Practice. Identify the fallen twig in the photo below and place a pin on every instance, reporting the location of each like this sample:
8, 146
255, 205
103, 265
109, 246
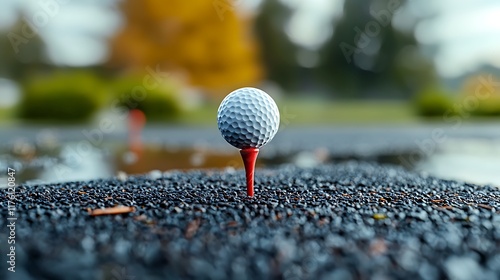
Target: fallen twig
192, 228
111, 211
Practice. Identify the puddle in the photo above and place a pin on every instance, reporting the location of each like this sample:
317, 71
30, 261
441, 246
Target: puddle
475, 161
36, 165
468, 160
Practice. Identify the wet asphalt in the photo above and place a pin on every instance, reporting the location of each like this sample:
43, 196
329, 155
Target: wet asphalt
339, 140
347, 221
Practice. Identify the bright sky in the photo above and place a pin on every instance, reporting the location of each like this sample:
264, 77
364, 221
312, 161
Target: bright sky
310, 26
72, 29
465, 33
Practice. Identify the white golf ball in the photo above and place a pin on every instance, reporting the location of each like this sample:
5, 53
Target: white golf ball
248, 118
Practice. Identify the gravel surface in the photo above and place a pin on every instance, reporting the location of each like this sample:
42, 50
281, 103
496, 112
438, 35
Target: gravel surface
349, 221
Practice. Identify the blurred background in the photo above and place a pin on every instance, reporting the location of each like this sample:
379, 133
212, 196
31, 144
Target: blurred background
392, 70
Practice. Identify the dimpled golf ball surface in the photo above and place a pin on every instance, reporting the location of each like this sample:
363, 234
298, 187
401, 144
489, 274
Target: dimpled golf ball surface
248, 118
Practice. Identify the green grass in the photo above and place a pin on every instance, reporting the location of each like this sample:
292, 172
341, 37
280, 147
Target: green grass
6, 115
310, 112
305, 112
348, 112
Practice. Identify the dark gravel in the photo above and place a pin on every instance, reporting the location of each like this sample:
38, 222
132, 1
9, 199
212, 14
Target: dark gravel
349, 221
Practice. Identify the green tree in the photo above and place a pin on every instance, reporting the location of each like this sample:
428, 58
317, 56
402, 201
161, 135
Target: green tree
368, 57
21, 51
278, 52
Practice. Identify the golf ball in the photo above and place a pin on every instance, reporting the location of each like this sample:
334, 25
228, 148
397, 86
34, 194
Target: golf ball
248, 118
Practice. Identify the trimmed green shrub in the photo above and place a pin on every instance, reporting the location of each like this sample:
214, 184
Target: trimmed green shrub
432, 103
159, 102
61, 97
487, 108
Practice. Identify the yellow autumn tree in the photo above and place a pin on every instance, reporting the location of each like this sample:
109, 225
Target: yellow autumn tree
484, 85
205, 41
481, 93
